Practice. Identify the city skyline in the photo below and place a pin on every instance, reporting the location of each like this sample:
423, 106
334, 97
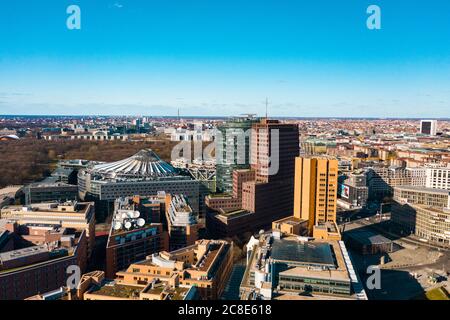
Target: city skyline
311, 59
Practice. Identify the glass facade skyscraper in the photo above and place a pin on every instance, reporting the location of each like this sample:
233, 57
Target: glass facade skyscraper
233, 150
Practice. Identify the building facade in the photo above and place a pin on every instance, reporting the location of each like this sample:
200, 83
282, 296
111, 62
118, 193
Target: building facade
424, 212
142, 174
315, 195
265, 192
232, 150
132, 237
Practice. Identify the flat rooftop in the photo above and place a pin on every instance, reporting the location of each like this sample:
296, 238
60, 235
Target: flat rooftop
367, 237
22, 253
303, 252
317, 274
424, 189
116, 290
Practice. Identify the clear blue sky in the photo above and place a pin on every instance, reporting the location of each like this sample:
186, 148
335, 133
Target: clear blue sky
224, 57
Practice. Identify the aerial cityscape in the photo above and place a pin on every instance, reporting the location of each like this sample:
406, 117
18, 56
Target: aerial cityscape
181, 167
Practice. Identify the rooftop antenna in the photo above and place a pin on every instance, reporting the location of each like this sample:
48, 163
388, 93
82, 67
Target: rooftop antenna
178, 114
267, 104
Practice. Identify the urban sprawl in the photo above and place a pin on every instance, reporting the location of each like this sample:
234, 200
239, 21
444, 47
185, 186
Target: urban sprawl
237, 208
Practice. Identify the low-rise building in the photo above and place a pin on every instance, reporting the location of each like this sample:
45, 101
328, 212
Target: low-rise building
94, 286
70, 215
207, 265
424, 212
280, 265
47, 191
41, 256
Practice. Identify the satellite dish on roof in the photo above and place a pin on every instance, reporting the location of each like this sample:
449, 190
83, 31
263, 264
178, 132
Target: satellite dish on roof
127, 225
117, 225
130, 214
136, 214
140, 222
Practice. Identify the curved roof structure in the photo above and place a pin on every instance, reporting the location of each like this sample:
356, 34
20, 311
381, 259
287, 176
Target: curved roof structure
9, 137
144, 164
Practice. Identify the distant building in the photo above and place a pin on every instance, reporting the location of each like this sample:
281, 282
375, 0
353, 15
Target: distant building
197, 134
289, 267
8, 195
428, 127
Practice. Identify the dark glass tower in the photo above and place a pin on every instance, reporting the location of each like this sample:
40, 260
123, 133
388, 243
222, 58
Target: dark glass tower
233, 150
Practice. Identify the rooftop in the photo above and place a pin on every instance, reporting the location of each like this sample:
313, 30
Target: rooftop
303, 252
367, 237
113, 289
144, 164
423, 189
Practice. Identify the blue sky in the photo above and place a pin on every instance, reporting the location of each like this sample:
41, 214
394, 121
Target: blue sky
224, 57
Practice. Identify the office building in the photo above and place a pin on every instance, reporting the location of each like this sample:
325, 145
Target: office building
263, 193
424, 212
9, 194
39, 258
283, 266
428, 127
69, 215
233, 140
438, 177
315, 194
94, 286
47, 191
382, 180
132, 237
